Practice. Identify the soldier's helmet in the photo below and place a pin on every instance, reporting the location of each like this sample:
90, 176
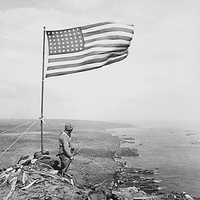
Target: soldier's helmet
68, 127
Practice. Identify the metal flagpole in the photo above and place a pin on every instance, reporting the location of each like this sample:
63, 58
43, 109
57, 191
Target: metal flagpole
42, 92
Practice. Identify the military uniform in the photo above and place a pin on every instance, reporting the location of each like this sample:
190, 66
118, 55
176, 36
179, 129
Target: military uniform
65, 149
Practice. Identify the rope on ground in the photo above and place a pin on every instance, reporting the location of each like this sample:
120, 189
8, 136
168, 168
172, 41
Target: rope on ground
31, 125
19, 125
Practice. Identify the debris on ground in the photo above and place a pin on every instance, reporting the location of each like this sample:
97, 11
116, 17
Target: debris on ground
36, 179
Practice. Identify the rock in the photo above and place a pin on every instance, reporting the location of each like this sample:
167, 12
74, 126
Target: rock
187, 196
128, 193
127, 152
24, 160
97, 195
38, 155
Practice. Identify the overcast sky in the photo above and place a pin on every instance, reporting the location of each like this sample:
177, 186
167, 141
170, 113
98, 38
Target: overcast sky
160, 80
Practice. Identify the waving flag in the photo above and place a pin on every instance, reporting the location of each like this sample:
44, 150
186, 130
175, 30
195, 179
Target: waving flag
88, 47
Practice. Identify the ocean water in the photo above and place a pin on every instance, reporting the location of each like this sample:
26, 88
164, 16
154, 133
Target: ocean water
172, 148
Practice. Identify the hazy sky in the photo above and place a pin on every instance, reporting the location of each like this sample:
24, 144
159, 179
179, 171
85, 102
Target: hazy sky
160, 80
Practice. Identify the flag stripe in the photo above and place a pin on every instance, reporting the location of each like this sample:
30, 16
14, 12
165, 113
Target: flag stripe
107, 42
111, 25
91, 65
96, 56
106, 49
120, 33
95, 25
109, 61
116, 60
108, 46
88, 61
107, 30
85, 58
70, 58
111, 37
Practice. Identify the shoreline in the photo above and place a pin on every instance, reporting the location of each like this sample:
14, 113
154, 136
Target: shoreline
131, 136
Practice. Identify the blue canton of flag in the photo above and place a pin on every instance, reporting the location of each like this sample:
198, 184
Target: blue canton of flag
65, 41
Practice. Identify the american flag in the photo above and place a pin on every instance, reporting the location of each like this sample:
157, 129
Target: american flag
87, 47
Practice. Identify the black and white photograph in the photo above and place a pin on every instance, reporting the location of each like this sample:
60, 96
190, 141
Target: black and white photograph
99, 100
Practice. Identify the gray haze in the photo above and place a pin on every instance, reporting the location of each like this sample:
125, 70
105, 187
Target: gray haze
159, 81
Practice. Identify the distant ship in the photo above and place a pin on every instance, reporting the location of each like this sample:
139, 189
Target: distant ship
196, 142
